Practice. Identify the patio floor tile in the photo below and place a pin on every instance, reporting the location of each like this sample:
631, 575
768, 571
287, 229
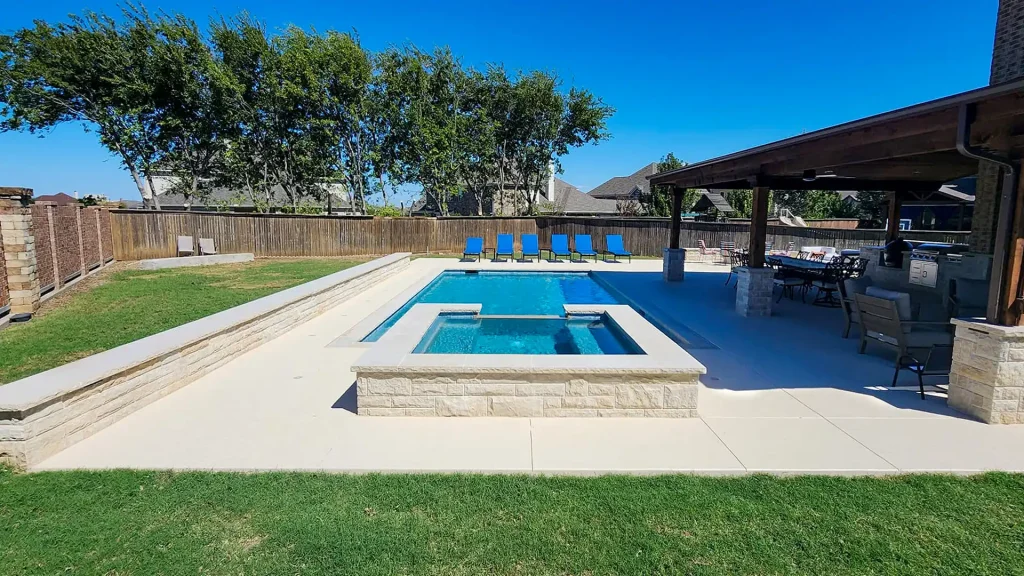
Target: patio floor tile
713, 403
940, 444
628, 445
795, 445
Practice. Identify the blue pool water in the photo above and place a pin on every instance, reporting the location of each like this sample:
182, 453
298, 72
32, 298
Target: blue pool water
462, 334
506, 293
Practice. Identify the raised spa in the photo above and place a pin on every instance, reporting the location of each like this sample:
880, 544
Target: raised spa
471, 334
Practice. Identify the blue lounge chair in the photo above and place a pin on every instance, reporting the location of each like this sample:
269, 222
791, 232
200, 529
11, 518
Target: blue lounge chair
504, 246
559, 246
474, 247
615, 248
530, 246
583, 247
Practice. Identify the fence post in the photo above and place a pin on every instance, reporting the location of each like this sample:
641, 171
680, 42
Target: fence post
99, 236
19, 250
81, 244
58, 280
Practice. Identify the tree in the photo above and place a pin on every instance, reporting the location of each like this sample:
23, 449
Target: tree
191, 96
93, 71
544, 125
280, 138
659, 201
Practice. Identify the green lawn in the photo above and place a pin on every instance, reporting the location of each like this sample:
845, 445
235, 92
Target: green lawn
132, 304
276, 523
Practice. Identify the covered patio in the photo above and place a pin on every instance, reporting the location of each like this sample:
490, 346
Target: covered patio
909, 153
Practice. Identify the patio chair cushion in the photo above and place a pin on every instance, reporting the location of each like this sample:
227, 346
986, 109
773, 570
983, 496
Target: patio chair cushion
474, 245
560, 244
504, 244
530, 245
902, 300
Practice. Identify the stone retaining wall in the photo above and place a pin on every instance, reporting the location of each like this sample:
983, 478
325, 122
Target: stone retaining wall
516, 394
45, 413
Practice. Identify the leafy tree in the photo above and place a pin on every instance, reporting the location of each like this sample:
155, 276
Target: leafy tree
659, 201
191, 97
93, 71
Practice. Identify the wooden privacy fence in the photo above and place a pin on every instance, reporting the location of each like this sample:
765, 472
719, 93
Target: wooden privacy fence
70, 241
151, 234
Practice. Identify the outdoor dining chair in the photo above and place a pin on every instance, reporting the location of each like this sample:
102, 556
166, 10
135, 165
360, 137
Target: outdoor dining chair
726, 252
505, 246
787, 280
530, 246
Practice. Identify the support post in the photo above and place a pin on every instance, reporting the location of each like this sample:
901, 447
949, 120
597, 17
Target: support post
1010, 303
677, 209
673, 258
892, 228
758, 225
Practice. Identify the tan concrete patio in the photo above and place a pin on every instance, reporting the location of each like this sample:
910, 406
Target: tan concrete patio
784, 394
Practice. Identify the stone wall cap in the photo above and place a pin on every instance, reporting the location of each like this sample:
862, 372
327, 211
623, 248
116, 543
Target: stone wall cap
994, 329
393, 352
41, 388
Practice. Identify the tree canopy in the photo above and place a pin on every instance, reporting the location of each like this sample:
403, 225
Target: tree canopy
297, 111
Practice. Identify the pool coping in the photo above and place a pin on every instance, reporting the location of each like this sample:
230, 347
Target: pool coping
394, 350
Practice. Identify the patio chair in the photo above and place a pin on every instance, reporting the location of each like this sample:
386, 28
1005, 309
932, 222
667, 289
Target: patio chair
738, 259
967, 298
530, 246
615, 248
921, 347
768, 246
787, 280
703, 247
206, 247
726, 252
848, 288
827, 284
186, 246
559, 246
474, 247
505, 246
582, 246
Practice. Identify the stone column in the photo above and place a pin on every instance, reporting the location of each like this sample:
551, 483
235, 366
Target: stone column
672, 262
754, 288
987, 377
19, 249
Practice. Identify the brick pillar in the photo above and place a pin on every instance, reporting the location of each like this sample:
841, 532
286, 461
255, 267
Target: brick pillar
1007, 65
19, 249
987, 377
754, 288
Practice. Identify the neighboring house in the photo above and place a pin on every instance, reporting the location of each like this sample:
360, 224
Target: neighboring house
225, 199
60, 199
624, 188
558, 197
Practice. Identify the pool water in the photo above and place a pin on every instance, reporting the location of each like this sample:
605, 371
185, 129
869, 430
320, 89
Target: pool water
464, 334
506, 294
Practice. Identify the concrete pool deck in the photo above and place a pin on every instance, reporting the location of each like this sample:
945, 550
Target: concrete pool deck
784, 394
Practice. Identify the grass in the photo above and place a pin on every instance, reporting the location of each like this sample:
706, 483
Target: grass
123, 522
119, 307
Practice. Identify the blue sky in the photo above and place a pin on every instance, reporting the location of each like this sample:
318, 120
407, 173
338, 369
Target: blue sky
699, 78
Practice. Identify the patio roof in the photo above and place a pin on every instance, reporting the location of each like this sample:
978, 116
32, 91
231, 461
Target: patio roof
910, 149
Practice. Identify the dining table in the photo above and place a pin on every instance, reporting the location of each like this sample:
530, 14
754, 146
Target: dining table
800, 263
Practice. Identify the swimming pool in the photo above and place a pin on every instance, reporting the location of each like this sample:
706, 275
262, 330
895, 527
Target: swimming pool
470, 334
505, 293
